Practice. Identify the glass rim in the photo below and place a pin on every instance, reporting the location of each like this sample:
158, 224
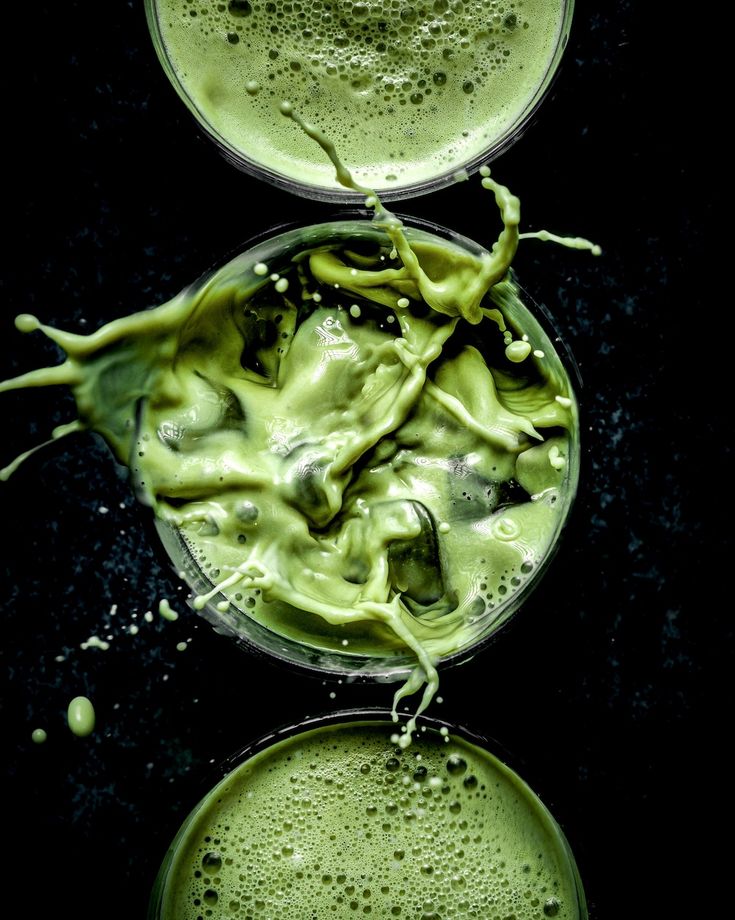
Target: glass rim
256, 638
351, 715
337, 194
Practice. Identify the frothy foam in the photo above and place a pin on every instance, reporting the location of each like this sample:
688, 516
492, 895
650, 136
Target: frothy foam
411, 91
338, 822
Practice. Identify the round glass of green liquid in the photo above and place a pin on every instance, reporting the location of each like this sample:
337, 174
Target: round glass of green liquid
414, 93
349, 479
331, 819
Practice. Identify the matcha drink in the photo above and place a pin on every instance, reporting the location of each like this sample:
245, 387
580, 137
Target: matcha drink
411, 92
339, 822
360, 438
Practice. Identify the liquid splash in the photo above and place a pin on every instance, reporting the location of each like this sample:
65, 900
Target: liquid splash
171, 393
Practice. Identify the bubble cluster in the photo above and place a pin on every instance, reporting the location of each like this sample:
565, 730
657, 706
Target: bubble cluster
397, 83
348, 40
338, 822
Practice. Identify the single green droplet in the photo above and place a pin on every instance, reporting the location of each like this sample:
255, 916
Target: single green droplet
81, 716
25, 322
38, 736
165, 610
518, 351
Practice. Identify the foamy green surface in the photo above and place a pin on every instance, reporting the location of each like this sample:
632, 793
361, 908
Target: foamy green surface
338, 822
409, 91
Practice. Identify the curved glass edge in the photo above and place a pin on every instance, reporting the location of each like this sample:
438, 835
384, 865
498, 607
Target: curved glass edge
256, 638
490, 748
335, 193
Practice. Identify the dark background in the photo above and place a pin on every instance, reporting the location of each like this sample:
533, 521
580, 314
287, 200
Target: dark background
608, 689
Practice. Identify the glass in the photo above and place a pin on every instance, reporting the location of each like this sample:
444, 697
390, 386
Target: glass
386, 835
387, 128
302, 639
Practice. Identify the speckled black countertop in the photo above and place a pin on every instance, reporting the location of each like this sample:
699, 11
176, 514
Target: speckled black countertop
603, 687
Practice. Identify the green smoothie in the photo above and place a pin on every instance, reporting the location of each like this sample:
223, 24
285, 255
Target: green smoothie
411, 92
354, 436
338, 822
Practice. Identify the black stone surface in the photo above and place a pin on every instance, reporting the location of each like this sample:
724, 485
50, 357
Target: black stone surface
609, 689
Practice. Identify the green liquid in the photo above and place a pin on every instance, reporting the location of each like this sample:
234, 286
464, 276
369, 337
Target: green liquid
360, 436
395, 479
411, 92
81, 716
338, 822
